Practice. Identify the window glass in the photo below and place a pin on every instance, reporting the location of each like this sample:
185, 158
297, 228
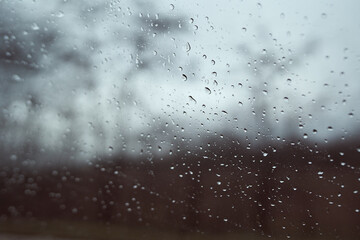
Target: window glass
179, 119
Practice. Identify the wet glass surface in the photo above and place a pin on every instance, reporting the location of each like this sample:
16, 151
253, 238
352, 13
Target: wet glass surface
179, 119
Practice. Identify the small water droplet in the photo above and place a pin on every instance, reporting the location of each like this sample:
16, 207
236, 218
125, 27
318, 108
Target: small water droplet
184, 77
188, 47
16, 78
34, 27
208, 90
172, 6
192, 99
264, 153
59, 14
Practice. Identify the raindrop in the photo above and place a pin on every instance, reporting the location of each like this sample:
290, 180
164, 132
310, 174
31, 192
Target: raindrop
188, 47
59, 14
208, 90
34, 27
16, 78
172, 6
184, 77
192, 99
264, 153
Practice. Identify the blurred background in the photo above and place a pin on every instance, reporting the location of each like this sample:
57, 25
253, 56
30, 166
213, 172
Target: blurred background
179, 119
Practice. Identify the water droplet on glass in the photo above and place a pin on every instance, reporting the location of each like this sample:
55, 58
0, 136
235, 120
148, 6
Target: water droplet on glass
184, 77
188, 47
264, 153
59, 14
192, 99
16, 78
208, 90
172, 6
34, 27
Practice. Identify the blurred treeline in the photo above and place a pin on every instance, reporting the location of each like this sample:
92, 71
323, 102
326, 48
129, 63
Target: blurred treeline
292, 190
